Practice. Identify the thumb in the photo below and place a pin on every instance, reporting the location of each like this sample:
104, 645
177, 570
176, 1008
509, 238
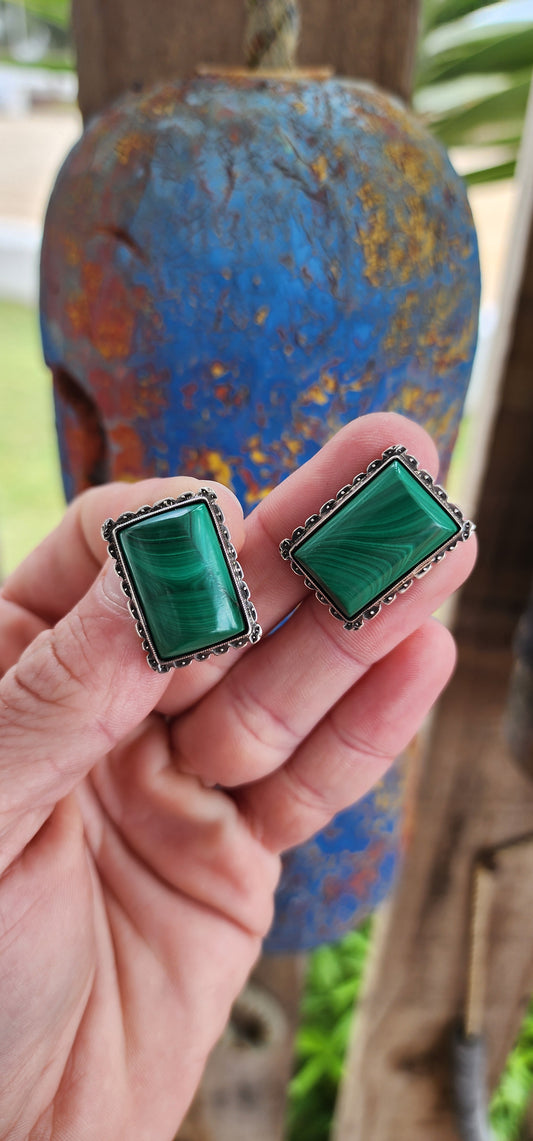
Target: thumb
76, 691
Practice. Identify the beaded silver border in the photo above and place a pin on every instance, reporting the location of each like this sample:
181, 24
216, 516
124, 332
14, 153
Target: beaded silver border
111, 528
289, 547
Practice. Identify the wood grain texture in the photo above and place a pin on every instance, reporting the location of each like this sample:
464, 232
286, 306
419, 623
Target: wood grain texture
472, 796
518, 723
128, 45
527, 1131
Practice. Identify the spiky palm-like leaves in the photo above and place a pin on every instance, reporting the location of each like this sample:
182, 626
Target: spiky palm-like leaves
473, 78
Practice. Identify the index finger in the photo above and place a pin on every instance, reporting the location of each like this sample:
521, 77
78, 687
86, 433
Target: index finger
59, 572
53, 579
274, 590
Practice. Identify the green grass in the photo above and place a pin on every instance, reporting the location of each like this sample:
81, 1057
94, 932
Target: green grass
31, 496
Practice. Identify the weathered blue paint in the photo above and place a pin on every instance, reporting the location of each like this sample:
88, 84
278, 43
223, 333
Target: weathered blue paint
354, 859
232, 269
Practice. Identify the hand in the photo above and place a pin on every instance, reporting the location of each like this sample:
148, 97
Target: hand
134, 895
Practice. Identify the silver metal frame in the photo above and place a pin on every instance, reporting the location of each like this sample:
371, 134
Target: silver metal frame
111, 528
289, 547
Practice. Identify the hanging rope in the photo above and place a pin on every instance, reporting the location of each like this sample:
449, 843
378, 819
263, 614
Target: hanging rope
271, 35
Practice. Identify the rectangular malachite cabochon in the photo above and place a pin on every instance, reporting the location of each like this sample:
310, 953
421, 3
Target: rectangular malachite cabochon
182, 579
374, 540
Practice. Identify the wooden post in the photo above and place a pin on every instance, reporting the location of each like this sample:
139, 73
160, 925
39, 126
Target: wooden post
473, 796
518, 723
128, 45
527, 1131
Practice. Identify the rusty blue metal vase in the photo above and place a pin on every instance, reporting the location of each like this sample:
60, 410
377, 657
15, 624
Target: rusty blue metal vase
233, 269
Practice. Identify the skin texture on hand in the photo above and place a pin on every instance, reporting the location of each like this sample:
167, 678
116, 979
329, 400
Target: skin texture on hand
134, 894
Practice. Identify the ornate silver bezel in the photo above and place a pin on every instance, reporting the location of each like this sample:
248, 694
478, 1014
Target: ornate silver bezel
289, 547
112, 528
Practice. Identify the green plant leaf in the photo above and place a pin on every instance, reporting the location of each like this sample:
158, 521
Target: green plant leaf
487, 122
507, 48
311, 1041
491, 173
333, 980
473, 80
438, 12
452, 95
511, 1100
307, 1077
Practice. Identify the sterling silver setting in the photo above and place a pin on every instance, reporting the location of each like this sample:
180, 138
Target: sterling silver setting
112, 527
289, 547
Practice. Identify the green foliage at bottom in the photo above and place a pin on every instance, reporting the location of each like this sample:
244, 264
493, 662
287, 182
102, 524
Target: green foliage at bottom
514, 1092
333, 984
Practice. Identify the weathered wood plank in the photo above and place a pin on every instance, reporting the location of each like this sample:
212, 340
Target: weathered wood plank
472, 796
127, 45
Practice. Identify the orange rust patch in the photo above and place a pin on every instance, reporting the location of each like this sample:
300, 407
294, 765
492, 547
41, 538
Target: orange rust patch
261, 315
295, 447
71, 249
127, 452
113, 332
412, 164
375, 236
399, 338
448, 345
313, 395
218, 468
130, 146
320, 168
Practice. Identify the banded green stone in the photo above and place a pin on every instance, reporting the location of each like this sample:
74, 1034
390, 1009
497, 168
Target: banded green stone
375, 539
182, 580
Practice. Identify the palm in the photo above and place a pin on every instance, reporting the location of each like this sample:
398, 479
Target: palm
135, 894
134, 945
135, 938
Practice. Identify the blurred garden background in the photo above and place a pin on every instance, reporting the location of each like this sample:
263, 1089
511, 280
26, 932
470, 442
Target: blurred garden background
473, 79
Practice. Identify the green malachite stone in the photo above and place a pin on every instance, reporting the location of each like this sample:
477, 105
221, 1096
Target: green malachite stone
375, 539
182, 580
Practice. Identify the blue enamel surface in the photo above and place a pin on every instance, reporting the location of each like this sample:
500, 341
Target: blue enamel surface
355, 858
232, 269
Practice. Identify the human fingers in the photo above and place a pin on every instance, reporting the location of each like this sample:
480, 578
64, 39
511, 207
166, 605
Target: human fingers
354, 745
265, 707
53, 578
288, 505
191, 836
76, 691
274, 590
56, 575
18, 627
61, 569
